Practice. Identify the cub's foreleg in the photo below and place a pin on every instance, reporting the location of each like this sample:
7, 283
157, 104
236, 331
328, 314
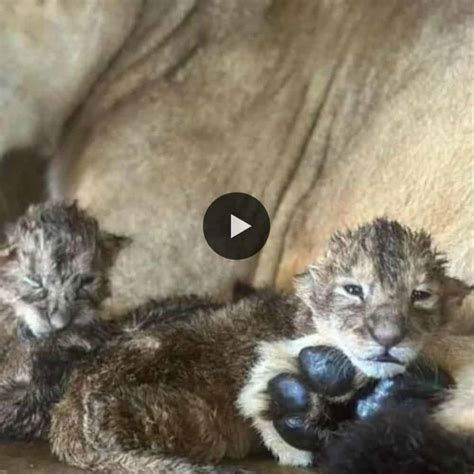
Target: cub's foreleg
291, 366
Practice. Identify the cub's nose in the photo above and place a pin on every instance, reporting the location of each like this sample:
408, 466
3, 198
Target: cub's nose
387, 335
59, 321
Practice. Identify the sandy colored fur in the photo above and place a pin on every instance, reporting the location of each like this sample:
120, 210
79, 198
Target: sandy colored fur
456, 355
336, 113
52, 52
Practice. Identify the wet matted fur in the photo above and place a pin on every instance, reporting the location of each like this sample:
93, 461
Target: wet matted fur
53, 281
197, 390
54, 267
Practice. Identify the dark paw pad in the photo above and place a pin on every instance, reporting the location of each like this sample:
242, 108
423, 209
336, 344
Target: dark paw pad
296, 433
288, 394
328, 371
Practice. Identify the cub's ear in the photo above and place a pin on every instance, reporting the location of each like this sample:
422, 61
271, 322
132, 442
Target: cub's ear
7, 254
305, 284
111, 245
456, 290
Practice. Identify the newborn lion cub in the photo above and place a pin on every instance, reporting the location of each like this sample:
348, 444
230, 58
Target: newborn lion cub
198, 390
54, 279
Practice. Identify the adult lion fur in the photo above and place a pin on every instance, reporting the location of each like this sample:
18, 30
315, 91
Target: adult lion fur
329, 112
51, 52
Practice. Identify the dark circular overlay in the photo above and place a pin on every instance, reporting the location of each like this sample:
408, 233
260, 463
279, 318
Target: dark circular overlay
217, 226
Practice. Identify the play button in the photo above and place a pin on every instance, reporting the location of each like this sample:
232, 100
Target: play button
236, 226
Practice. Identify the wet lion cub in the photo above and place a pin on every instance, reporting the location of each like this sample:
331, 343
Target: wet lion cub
196, 392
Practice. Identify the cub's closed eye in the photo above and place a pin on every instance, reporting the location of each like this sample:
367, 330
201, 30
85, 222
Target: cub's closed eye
354, 290
420, 295
87, 280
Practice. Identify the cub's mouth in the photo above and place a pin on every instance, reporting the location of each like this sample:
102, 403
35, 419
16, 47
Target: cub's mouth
387, 358
381, 362
380, 367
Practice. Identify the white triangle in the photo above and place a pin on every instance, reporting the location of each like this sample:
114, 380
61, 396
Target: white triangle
237, 226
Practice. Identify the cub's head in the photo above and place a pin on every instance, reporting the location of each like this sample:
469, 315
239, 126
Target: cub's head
54, 268
379, 293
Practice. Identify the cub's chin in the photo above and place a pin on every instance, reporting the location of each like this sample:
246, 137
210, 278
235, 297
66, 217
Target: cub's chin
378, 370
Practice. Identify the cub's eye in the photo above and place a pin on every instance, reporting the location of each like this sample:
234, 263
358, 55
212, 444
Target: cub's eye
420, 295
87, 280
33, 281
354, 290
84, 289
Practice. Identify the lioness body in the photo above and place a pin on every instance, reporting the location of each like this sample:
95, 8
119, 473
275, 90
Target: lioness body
361, 108
329, 112
41, 82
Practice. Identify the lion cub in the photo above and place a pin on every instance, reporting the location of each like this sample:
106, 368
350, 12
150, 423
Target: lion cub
198, 390
53, 281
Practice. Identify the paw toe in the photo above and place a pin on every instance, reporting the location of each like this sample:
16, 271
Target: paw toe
327, 370
288, 394
296, 433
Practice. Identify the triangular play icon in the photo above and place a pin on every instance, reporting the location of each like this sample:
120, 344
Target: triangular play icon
237, 226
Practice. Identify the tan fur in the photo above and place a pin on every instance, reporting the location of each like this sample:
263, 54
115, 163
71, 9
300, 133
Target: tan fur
330, 113
456, 355
51, 52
